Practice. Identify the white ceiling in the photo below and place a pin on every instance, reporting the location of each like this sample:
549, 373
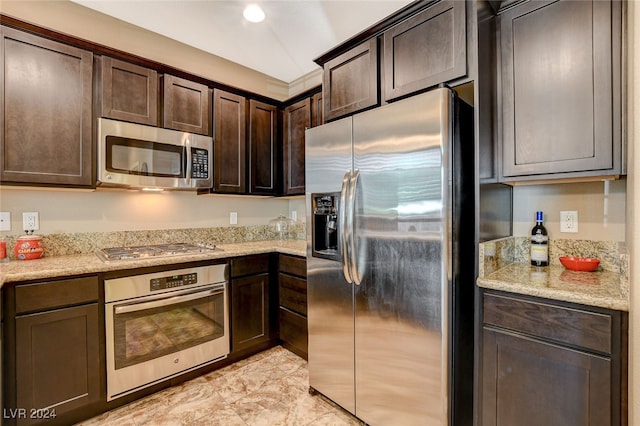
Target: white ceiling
282, 46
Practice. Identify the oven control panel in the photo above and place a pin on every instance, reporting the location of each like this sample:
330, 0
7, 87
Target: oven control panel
172, 281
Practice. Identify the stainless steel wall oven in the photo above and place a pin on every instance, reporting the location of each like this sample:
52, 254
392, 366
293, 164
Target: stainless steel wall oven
162, 324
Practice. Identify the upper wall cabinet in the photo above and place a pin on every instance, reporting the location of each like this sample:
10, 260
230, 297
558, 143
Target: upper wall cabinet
187, 105
425, 50
298, 117
263, 148
229, 142
45, 111
422, 45
245, 149
129, 92
350, 81
561, 89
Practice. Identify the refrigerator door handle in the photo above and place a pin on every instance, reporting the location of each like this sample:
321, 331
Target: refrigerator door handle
353, 249
344, 230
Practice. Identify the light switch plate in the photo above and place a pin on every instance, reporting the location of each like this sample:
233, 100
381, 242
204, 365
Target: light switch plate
5, 221
233, 218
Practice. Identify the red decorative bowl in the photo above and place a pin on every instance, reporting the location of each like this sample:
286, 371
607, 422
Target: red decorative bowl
582, 264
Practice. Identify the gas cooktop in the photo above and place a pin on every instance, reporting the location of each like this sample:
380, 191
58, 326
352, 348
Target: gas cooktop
152, 251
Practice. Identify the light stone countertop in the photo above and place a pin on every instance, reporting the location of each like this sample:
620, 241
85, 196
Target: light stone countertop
601, 288
61, 266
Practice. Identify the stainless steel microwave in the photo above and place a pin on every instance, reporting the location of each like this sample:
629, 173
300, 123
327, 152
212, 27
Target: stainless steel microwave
136, 156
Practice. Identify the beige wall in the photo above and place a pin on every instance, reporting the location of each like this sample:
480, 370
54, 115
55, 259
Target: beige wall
70, 18
600, 207
67, 211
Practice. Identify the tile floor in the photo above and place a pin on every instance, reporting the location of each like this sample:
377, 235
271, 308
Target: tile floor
270, 388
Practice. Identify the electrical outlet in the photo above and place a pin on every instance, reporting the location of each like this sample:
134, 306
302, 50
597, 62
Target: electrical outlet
5, 221
569, 221
294, 215
30, 221
233, 218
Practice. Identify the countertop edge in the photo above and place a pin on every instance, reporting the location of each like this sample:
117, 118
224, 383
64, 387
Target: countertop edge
615, 303
83, 264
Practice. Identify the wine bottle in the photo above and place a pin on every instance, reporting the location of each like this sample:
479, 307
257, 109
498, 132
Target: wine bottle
539, 243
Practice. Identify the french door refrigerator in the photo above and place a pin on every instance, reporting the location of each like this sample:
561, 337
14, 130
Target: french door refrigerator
391, 240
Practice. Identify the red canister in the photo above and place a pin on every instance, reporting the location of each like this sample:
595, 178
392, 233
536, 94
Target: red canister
29, 247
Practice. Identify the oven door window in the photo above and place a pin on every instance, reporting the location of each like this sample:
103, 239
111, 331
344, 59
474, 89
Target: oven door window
139, 157
153, 331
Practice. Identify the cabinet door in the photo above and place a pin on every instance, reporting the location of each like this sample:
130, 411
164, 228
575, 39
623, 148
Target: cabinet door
426, 50
530, 383
263, 136
350, 81
249, 311
560, 93
45, 111
297, 118
317, 118
58, 360
186, 105
129, 92
229, 142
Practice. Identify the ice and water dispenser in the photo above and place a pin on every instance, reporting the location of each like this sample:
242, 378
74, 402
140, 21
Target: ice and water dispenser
325, 225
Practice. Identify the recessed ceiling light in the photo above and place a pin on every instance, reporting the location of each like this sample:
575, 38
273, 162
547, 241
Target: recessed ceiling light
253, 13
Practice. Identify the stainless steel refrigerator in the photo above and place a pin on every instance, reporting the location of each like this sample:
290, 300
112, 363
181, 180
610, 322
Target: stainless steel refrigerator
391, 237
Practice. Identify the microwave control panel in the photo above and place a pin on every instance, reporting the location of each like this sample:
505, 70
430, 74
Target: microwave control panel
172, 281
199, 163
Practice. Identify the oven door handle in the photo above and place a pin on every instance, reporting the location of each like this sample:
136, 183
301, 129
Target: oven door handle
135, 307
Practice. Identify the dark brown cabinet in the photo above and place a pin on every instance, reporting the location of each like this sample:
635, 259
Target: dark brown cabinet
350, 81
229, 142
245, 144
547, 362
45, 112
292, 282
55, 361
561, 89
250, 302
263, 148
297, 118
128, 92
425, 50
186, 105
317, 108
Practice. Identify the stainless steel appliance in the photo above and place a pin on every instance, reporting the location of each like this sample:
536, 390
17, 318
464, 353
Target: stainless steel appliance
162, 324
110, 254
137, 156
391, 251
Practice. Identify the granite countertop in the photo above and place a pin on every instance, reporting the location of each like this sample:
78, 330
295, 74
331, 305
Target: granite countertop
601, 288
60, 266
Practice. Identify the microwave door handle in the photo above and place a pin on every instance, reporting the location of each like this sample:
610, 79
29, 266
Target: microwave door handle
189, 161
135, 307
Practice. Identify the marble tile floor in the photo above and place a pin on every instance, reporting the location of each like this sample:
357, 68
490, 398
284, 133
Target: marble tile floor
270, 388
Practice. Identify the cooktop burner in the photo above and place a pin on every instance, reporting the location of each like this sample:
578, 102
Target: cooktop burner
154, 250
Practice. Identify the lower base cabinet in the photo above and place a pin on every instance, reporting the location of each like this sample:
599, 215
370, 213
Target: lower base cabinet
251, 282
53, 353
292, 283
551, 363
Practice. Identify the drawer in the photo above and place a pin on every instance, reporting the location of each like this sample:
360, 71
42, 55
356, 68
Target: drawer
293, 332
293, 265
569, 326
250, 265
293, 293
56, 294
